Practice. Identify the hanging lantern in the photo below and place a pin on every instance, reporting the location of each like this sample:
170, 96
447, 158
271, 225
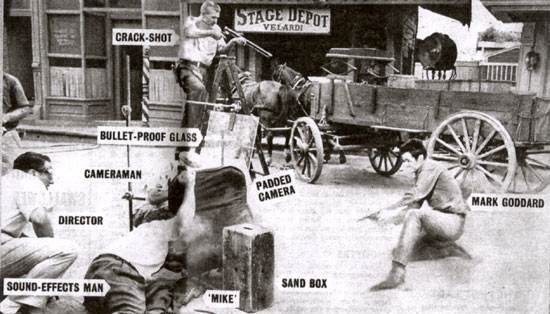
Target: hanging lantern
532, 59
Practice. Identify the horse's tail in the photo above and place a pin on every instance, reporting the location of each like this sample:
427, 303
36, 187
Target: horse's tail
287, 101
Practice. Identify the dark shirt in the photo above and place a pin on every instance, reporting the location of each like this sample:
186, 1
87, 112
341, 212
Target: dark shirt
13, 97
439, 188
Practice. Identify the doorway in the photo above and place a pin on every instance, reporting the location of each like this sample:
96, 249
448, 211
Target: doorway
127, 74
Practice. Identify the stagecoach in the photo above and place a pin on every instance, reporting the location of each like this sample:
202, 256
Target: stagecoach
491, 141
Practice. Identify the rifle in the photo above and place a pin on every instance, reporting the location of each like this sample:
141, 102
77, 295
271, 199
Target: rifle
229, 32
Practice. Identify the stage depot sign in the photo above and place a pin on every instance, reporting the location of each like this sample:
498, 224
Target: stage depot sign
282, 20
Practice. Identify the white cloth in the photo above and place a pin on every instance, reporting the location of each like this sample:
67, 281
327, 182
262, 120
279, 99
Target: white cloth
145, 247
22, 193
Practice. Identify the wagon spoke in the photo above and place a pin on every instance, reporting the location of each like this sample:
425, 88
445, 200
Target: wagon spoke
486, 141
477, 127
444, 157
537, 163
393, 153
459, 172
302, 134
299, 141
376, 153
310, 142
301, 159
457, 140
541, 179
308, 168
452, 149
313, 159
453, 166
386, 161
380, 163
392, 163
525, 179
492, 151
492, 163
465, 134
305, 165
489, 175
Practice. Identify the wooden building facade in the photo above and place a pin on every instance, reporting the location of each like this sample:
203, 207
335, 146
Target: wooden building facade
68, 65
535, 41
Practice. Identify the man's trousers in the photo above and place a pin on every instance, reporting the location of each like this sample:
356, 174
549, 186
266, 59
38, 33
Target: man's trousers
129, 293
419, 223
36, 258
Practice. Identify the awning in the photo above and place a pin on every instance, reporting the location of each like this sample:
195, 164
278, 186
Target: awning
519, 10
460, 10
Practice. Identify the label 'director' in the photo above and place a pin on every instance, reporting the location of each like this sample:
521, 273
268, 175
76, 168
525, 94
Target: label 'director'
140, 136
56, 287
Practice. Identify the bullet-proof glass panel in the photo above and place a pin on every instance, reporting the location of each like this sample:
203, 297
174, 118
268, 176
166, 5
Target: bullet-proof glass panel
95, 35
64, 34
63, 5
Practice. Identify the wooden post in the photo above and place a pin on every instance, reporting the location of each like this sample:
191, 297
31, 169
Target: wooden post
248, 265
145, 88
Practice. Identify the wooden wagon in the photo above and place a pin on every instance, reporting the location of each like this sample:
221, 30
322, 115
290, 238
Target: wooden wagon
500, 141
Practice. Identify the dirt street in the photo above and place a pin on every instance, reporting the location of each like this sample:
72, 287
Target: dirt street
317, 236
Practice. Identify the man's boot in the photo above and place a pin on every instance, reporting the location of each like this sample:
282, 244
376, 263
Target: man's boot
395, 278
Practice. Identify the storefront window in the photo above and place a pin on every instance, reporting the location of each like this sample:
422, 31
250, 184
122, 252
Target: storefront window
125, 4
94, 3
164, 22
63, 5
19, 4
95, 35
64, 34
162, 5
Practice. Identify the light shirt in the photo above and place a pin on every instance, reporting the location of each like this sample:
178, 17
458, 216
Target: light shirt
202, 49
13, 97
145, 247
22, 194
439, 188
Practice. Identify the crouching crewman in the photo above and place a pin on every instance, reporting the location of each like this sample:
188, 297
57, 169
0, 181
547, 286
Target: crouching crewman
25, 201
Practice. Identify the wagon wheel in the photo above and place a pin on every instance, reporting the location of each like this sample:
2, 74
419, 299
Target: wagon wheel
533, 170
306, 149
478, 149
385, 160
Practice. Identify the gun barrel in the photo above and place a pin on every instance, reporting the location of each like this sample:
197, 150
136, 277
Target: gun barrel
249, 43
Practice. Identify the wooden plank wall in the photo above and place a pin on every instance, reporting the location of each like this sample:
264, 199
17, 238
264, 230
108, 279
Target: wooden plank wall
163, 87
66, 82
97, 83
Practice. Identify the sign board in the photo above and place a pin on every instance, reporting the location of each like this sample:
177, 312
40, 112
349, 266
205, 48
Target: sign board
144, 37
282, 20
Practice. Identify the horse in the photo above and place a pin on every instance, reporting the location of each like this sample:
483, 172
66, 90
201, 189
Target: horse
273, 102
302, 87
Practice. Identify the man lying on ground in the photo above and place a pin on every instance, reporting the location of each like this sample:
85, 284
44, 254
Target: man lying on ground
129, 265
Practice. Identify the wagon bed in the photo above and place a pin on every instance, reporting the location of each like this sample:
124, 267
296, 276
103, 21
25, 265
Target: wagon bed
492, 141
525, 117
